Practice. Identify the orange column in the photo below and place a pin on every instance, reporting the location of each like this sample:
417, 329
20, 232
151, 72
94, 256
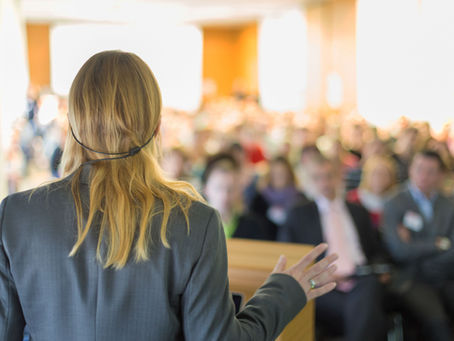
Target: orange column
38, 54
247, 64
219, 60
230, 58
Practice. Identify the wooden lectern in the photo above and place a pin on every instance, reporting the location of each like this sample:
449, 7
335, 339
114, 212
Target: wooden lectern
251, 262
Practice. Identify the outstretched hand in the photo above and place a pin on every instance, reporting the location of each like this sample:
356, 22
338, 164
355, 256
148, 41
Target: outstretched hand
315, 280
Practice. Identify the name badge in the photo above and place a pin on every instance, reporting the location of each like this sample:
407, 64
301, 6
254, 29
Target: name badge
413, 221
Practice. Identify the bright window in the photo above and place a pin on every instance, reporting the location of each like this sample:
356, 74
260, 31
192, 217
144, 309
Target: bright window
282, 59
405, 55
174, 54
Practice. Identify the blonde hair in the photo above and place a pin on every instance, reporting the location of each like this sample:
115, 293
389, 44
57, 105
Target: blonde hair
115, 105
371, 164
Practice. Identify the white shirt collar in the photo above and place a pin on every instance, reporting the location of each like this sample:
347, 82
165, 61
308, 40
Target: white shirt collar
324, 203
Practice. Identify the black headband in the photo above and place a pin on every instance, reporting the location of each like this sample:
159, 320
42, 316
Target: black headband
133, 151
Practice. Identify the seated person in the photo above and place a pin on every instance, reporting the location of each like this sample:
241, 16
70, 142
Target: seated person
377, 183
308, 154
353, 175
418, 226
354, 309
404, 149
222, 190
248, 175
277, 192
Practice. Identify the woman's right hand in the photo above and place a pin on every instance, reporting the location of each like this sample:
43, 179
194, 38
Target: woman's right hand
321, 273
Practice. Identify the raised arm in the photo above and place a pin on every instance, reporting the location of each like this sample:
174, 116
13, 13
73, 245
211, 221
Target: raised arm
207, 308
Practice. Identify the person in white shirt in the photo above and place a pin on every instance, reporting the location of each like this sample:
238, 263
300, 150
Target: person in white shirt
354, 309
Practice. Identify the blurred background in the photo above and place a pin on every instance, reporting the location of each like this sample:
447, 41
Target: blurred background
256, 95
271, 76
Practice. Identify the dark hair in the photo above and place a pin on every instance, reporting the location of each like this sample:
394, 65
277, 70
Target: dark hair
432, 154
284, 161
311, 148
224, 161
235, 147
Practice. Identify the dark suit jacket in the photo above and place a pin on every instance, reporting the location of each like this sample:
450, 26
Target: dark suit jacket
420, 255
260, 206
180, 293
251, 226
303, 225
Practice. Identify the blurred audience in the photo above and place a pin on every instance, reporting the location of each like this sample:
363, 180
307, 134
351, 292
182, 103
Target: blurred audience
419, 230
222, 190
355, 308
377, 183
248, 174
404, 149
353, 173
277, 192
176, 165
331, 158
308, 154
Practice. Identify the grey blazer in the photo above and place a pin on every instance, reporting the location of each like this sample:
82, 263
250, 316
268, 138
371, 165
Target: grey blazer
181, 293
420, 256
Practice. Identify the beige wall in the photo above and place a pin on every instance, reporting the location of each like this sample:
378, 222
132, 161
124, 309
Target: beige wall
331, 48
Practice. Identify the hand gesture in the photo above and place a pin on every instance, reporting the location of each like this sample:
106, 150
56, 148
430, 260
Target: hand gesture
315, 280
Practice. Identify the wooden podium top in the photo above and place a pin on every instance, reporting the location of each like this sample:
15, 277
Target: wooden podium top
251, 262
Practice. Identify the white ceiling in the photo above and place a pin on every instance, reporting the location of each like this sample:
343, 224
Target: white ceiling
127, 11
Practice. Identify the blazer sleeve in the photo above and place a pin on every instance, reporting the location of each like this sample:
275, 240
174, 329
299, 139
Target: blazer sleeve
370, 238
399, 250
207, 307
441, 266
11, 318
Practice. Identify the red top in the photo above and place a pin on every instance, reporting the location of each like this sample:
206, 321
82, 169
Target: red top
255, 153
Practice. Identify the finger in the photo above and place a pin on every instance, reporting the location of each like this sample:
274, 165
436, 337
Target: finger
280, 265
322, 279
314, 293
320, 266
326, 276
311, 256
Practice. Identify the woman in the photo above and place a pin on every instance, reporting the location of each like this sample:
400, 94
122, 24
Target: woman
116, 252
378, 179
278, 192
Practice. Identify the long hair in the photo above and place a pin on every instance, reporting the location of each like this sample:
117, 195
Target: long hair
115, 105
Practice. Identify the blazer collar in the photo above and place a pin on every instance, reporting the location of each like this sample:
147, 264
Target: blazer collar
411, 200
414, 206
85, 173
84, 177
324, 204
